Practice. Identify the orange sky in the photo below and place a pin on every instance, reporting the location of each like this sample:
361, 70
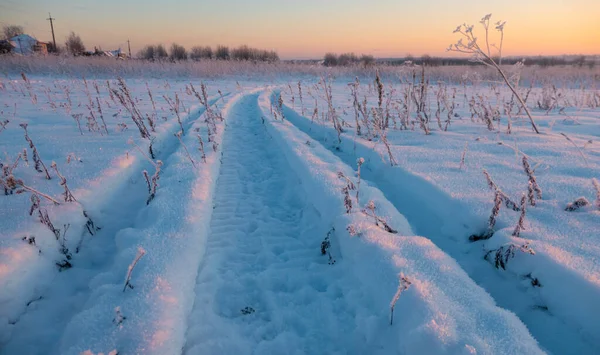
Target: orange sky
309, 28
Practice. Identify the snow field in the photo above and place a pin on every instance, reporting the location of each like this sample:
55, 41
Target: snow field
232, 247
441, 317
50, 311
429, 189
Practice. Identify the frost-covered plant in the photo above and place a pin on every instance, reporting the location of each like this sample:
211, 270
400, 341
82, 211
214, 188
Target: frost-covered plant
178, 135
346, 191
420, 98
301, 99
492, 185
403, 285
379, 86
153, 182
331, 112
174, 105
99, 107
326, 245
63, 182
491, 221
506, 252
39, 164
125, 99
72, 157
3, 125
356, 104
534, 190
201, 147
140, 252
11, 183
369, 210
577, 204
463, 156
359, 163
64, 264
77, 118
597, 188
484, 55
90, 225
154, 115
578, 149
119, 318
35, 203
521, 223
280, 105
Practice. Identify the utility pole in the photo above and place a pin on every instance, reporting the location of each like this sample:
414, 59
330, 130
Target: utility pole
52, 28
129, 46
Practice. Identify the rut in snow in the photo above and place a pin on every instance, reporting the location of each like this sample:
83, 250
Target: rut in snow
263, 286
430, 212
40, 329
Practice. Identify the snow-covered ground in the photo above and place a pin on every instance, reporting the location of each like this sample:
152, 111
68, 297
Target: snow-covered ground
269, 244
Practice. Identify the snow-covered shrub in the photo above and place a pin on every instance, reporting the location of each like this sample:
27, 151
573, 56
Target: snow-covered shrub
491, 221
502, 255
577, 204
369, 210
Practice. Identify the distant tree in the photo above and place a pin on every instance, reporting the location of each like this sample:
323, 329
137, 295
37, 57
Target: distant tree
53, 50
426, 59
330, 60
241, 53
367, 60
5, 47
10, 31
198, 52
146, 53
160, 53
74, 44
222, 53
178, 52
347, 59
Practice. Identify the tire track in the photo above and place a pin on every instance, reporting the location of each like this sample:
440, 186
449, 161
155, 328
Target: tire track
444, 229
263, 286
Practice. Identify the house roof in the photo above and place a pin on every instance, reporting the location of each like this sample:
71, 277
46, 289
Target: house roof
23, 44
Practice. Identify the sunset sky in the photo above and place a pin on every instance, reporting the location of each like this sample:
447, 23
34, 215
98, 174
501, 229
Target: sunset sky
309, 28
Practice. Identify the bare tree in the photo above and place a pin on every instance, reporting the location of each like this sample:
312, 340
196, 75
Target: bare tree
11, 31
178, 52
74, 44
222, 53
330, 60
160, 53
147, 53
198, 52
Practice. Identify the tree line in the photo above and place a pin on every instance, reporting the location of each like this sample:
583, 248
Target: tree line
180, 53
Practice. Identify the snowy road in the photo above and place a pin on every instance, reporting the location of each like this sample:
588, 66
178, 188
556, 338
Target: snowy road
263, 286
